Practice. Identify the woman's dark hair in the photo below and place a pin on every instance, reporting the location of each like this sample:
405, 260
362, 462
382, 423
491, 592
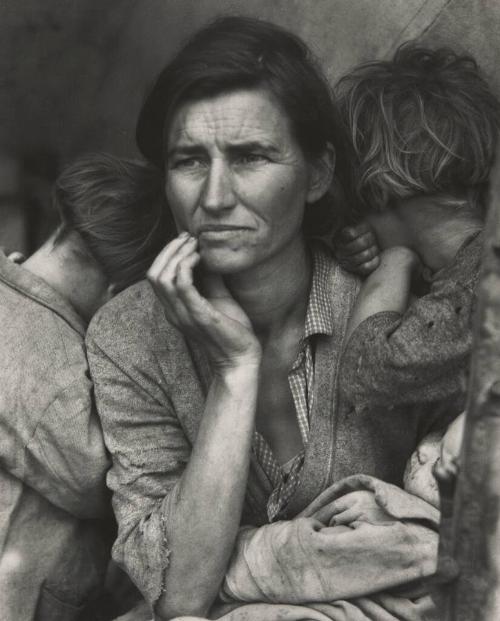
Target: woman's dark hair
118, 209
425, 122
238, 52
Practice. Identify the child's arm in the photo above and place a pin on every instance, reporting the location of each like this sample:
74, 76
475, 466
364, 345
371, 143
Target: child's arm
387, 288
422, 355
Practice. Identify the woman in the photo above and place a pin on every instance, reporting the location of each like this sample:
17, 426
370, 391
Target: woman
217, 390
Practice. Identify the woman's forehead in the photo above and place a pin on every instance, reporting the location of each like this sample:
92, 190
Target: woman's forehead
235, 117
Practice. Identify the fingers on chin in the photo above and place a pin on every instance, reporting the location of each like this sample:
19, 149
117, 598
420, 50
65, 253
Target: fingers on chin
167, 253
169, 257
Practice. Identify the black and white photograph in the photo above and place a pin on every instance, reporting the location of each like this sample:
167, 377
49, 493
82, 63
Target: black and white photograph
249, 310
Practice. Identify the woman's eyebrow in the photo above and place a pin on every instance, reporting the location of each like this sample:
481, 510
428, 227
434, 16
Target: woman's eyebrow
252, 145
233, 147
184, 149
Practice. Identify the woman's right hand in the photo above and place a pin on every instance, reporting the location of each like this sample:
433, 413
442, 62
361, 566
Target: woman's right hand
216, 320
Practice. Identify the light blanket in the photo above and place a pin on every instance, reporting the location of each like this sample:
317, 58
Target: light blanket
308, 569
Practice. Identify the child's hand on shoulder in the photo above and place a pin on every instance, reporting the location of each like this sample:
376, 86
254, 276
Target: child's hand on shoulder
356, 249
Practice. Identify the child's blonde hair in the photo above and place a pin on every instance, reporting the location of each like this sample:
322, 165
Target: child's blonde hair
423, 123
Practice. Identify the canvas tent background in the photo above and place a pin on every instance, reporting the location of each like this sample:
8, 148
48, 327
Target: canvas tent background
73, 74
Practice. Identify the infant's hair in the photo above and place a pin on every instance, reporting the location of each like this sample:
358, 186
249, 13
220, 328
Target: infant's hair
423, 123
117, 208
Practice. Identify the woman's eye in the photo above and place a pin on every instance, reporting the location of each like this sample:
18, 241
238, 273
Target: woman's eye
188, 163
251, 158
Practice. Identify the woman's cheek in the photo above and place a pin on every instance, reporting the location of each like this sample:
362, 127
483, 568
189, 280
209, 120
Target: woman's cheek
181, 198
270, 185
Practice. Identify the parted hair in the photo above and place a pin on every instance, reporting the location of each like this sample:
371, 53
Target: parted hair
240, 52
117, 207
425, 122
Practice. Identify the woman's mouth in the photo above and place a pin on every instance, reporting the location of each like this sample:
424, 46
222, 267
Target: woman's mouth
220, 232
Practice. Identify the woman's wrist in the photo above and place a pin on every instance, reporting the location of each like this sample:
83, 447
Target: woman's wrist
234, 389
244, 368
247, 359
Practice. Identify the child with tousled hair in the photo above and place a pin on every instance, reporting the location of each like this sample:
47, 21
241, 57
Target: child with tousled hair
117, 208
56, 519
424, 129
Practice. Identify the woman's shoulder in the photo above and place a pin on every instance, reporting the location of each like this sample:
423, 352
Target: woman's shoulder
337, 284
132, 318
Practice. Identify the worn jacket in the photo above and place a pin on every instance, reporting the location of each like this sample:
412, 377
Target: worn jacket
53, 546
151, 385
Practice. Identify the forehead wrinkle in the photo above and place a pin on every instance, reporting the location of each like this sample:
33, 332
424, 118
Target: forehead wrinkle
204, 122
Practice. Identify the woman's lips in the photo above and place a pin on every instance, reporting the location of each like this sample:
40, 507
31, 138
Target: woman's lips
215, 233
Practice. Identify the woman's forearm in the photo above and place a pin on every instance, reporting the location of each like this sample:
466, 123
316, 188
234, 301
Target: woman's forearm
389, 540
205, 512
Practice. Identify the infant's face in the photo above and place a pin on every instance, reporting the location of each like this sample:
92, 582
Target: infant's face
452, 441
418, 477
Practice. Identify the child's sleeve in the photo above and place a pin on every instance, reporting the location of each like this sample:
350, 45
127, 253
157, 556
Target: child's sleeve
422, 355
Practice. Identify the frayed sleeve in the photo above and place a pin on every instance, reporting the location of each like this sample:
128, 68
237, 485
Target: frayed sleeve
149, 452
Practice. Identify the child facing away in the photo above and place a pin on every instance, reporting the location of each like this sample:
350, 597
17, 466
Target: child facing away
56, 521
424, 128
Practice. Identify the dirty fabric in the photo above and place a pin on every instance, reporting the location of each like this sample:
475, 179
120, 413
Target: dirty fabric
420, 356
55, 513
305, 568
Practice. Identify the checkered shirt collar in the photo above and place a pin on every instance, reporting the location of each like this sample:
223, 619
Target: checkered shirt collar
319, 315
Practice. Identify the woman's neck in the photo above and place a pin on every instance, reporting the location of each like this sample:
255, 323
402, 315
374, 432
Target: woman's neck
274, 295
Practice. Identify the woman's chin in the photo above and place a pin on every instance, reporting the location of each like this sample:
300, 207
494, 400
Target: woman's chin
225, 261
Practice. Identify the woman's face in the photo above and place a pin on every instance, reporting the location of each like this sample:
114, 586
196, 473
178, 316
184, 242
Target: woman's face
237, 180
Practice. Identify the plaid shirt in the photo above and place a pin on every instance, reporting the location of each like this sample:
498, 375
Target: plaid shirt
319, 320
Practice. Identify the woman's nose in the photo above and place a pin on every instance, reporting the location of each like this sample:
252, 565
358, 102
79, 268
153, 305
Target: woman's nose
218, 188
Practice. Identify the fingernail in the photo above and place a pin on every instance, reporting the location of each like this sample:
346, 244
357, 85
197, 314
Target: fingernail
184, 235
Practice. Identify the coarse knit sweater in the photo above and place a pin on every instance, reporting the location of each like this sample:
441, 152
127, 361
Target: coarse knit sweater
421, 355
